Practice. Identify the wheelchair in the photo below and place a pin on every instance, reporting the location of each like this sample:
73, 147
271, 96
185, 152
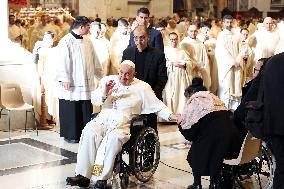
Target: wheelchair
140, 155
255, 164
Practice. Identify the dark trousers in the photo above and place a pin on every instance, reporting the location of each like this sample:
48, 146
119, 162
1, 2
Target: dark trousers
73, 116
277, 145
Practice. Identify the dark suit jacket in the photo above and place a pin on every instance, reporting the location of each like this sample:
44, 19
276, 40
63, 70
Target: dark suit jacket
273, 96
156, 39
155, 71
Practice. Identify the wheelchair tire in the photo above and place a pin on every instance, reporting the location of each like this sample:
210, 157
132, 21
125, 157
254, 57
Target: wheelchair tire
146, 154
260, 171
124, 180
267, 165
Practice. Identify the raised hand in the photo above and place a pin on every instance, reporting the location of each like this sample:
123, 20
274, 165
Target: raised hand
109, 87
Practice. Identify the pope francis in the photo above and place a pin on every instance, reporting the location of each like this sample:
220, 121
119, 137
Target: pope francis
122, 97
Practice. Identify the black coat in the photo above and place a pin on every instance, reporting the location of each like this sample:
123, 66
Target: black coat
249, 93
155, 39
274, 96
214, 137
155, 71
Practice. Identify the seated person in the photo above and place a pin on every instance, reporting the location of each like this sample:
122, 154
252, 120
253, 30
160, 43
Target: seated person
206, 122
122, 97
249, 93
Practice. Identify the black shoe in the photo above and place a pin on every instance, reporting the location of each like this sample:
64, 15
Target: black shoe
198, 186
78, 180
101, 184
50, 122
71, 140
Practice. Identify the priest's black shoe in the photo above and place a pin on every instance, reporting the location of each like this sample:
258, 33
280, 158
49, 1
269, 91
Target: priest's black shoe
101, 184
78, 180
195, 186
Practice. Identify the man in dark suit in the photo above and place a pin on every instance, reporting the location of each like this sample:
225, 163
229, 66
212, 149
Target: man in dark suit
273, 113
155, 37
150, 65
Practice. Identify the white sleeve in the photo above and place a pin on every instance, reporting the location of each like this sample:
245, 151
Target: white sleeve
98, 94
151, 104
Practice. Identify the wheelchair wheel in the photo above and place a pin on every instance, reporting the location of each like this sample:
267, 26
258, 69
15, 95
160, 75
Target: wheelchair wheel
266, 167
124, 180
146, 154
260, 171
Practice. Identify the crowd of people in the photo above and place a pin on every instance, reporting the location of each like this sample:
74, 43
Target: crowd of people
130, 66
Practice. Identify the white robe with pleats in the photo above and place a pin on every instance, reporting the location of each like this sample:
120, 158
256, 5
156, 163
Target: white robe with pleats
110, 129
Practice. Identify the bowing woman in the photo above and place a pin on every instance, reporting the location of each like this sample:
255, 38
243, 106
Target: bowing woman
206, 122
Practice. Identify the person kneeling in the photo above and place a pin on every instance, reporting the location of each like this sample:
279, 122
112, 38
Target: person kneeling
206, 122
122, 97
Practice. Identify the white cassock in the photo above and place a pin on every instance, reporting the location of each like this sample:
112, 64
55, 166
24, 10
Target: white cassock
197, 52
79, 65
46, 69
103, 137
226, 53
102, 47
178, 78
266, 43
280, 46
48, 80
118, 43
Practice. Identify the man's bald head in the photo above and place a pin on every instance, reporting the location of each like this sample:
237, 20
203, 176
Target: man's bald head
268, 23
141, 37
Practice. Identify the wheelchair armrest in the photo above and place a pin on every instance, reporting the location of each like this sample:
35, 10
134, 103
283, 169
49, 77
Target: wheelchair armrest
139, 120
137, 124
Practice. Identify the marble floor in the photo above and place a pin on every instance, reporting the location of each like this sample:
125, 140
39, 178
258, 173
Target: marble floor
46, 160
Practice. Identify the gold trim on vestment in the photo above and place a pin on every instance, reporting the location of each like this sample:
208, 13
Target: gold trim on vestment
97, 170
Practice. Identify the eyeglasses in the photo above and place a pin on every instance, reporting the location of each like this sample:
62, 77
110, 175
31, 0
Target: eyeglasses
136, 38
255, 70
175, 39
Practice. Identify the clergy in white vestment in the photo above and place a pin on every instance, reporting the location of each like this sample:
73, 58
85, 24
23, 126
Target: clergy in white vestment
266, 40
14, 31
197, 52
178, 63
245, 57
118, 43
226, 53
77, 67
206, 37
101, 46
122, 97
280, 29
39, 30
45, 62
